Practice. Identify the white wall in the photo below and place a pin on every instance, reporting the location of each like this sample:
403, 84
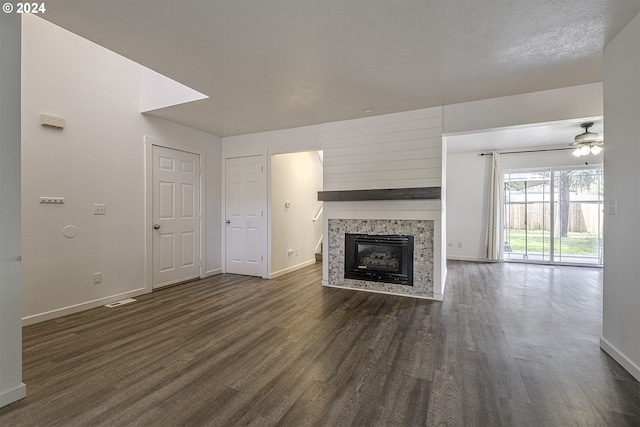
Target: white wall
11, 387
468, 181
306, 138
621, 302
295, 178
399, 150
467, 206
98, 158
521, 110
442, 252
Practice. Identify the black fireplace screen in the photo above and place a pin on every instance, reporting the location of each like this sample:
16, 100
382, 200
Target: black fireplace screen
379, 258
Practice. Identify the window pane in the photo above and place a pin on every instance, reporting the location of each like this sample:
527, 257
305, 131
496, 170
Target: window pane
578, 231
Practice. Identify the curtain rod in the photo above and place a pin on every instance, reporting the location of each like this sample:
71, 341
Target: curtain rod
528, 151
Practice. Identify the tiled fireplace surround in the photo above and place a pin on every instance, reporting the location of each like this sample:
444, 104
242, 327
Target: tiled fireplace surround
418, 218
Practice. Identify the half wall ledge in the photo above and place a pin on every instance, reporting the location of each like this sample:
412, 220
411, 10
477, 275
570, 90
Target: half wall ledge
417, 193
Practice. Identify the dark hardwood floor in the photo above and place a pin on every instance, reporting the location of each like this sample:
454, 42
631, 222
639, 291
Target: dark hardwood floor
511, 345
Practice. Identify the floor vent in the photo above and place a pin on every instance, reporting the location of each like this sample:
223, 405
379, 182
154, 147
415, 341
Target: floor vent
118, 303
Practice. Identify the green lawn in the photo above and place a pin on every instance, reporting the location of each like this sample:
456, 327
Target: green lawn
574, 244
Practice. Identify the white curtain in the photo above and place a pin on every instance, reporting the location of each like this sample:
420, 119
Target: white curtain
494, 229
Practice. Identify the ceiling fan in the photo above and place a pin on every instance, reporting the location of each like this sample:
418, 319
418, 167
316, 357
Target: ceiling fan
587, 142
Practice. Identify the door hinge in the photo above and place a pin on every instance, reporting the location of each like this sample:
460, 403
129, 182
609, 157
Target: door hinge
261, 257
261, 168
261, 213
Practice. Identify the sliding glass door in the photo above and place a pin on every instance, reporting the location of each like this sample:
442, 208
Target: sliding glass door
578, 216
527, 226
553, 216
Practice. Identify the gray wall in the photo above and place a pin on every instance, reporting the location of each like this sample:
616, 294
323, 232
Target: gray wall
621, 305
11, 387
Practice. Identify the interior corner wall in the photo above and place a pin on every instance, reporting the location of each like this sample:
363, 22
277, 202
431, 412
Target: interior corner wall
296, 179
305, 138
467, 189
443, 218
621, 289
99, 157
468, 180
11, 386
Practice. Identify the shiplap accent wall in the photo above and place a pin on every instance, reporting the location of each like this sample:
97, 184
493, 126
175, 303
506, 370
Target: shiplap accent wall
400, 150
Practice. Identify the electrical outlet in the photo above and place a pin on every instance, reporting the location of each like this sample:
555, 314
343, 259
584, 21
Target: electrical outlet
297, 252
99, 209
459, 245
97, 278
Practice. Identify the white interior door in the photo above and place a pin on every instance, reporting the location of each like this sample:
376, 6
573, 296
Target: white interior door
176, 216
245, 225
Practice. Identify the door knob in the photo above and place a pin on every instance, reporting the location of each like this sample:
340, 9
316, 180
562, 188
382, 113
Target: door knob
156, 226
227, 222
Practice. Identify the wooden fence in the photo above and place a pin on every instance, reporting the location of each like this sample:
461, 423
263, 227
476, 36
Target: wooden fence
583, 216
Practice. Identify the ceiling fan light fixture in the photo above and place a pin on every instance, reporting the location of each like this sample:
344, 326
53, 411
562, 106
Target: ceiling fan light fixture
587, 142
586, 136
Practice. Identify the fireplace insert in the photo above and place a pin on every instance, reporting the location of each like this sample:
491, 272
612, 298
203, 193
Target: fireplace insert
379, 258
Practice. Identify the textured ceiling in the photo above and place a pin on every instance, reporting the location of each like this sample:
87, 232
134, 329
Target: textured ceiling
279, 64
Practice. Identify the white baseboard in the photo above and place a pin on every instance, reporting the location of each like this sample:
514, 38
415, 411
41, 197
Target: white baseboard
213, 272
275, 274
468, 258
53, 314
379, 292
13, 395
619, 357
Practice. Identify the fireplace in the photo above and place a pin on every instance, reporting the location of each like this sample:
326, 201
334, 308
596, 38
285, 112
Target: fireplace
379, 258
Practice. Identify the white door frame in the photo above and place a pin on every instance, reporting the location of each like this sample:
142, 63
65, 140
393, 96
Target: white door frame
265, 239
149, 142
